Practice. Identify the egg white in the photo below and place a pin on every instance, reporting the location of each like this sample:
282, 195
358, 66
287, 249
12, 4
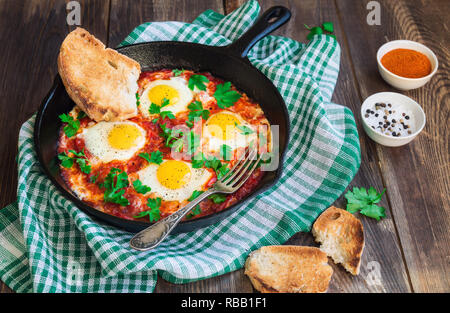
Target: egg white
96, 140
198, 178
212, 144
184, 93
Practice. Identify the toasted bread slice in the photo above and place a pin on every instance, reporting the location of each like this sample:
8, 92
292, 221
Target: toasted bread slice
292, 269
341, 236
102, 82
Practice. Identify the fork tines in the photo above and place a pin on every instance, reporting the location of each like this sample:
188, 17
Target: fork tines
242, 169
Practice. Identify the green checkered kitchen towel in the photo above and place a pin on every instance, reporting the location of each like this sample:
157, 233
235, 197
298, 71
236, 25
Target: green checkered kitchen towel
48, 245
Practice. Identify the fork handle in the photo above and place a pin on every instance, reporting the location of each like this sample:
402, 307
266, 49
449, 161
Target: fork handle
153, 235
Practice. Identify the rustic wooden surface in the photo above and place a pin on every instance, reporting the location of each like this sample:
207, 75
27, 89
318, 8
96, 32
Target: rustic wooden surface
411, 245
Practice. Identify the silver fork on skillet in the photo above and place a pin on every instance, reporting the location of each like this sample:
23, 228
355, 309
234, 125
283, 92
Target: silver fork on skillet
152, 236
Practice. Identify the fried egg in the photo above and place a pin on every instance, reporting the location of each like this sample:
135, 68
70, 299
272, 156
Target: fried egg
174, 89
174, 180
227, 128
109, 141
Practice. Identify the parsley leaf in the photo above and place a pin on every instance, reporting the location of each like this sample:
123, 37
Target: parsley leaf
72, 125
93, 178
365, 202
154, 214
195, 194
197, 210
196, 110
177, 72
217, 166
198, 81
141, 188
171, 134
66, 160
84, 167
156, 157
198, 160
218, 198
168, 114
222, 171
79, 158
245, 130
113, 183
154, 108
165, 102
213, 163
138, 99
225, 96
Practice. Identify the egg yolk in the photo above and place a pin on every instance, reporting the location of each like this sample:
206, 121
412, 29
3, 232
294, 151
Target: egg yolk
160, 92
123, 136
223, 126
173, 174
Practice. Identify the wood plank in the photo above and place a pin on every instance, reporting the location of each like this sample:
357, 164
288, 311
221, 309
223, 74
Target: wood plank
416, 175
382, 244
33, 31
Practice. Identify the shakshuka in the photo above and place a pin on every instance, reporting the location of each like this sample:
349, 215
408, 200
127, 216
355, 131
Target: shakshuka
190, 130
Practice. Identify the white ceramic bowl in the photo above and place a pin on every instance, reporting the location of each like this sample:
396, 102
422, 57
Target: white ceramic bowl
400, 82
417, 116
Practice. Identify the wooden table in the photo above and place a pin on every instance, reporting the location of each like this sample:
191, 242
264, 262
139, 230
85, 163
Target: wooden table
411, 245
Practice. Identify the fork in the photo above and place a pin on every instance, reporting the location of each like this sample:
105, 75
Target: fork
153, 235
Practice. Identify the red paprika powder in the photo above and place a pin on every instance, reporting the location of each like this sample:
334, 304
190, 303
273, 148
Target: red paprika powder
407, 63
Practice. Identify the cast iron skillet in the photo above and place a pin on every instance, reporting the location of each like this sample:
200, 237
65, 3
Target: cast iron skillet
229, 63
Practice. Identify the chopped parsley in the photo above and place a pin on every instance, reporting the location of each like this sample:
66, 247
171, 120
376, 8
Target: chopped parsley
217, 166
72, 125
177, 72
114, 183
138, 99
218, 198
245, 130
154, 214
226, 97
141, 188
198, 81
156, 109
155, 157
93, 178
79, 158
198, 160
196, 110
196, 210
168, 114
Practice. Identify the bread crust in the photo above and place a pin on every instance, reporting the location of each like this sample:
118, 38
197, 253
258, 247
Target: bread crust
101, 81
341, 236
289, 269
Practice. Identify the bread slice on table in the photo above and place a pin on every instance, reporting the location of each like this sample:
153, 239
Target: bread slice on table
341, 236
102, 82
292, 269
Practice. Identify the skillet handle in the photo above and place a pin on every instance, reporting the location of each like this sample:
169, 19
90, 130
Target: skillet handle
272, 19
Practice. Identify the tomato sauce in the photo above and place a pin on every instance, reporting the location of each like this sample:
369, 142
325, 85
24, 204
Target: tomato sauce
89, 186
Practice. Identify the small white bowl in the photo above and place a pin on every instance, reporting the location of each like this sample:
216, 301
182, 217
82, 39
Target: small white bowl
400, 82
417, 118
